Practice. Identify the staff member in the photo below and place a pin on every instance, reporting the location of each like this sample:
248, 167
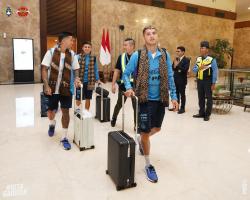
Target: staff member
206, 69
122, 61
180, 67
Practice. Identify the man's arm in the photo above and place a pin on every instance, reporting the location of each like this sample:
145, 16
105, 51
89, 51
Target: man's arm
185, 66
195, 69
171, 83
76, 67
44, 71
130, 68
47, 89
96, 71
215, 71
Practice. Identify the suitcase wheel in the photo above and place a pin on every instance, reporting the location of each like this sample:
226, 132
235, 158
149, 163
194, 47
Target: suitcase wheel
119, 188
82, 148
92, 147
133, 185
107, 172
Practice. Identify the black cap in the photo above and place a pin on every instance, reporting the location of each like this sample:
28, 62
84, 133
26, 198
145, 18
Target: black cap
205, 44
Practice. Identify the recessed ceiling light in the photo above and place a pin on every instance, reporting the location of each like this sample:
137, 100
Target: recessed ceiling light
248, 8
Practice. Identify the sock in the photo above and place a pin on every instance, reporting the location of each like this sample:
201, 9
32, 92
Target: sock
65, 133
52, 122
147, 160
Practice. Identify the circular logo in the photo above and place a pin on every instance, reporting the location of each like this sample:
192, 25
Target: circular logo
23, 11
8, 11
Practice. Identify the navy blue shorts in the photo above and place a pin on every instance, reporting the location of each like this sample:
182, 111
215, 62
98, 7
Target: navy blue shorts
86, 94
151, 115
65, 101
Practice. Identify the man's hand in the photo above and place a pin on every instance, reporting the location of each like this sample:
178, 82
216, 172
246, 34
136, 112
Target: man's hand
113, 88
77, 82
213, 87
176, 62
202, 67
47, 90
175, 105
99, 82
129, 93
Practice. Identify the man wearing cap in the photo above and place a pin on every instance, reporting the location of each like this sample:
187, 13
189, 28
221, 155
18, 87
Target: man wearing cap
206, 70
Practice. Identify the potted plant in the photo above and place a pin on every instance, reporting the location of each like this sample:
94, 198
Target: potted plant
220, 49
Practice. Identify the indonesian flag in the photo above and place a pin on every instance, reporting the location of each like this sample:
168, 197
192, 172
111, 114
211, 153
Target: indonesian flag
103, 55
108, 52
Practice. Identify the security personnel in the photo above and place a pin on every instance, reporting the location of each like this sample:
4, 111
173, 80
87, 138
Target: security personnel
180, 67
128, 45
206, 69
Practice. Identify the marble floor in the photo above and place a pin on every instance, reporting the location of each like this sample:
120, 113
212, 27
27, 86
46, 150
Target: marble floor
195, 160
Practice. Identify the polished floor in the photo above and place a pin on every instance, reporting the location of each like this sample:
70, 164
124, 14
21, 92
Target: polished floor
195, 160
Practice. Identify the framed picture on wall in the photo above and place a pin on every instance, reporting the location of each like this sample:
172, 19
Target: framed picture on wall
23, 60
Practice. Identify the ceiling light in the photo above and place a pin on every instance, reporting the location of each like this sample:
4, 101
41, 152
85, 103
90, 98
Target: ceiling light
248, 8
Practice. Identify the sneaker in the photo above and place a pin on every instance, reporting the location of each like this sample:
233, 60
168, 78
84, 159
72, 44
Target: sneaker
151, 174
51, 130
139, 144
66, 144
113, 122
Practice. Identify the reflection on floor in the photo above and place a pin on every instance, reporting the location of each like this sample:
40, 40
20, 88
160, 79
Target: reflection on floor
195, 160
25, 112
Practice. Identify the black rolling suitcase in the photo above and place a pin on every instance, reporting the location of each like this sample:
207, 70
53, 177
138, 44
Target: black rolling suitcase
102, 106
44, 100
121, 157
102, 91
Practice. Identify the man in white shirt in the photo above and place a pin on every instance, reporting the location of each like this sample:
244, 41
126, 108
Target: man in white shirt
59, 66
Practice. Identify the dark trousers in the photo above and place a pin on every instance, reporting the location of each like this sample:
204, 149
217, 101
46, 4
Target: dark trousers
118, 105
205, 92
180, 93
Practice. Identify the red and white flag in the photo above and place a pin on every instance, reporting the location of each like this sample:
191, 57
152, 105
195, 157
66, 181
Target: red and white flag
108, 49
103, 50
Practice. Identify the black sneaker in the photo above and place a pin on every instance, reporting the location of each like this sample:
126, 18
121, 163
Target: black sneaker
198, 116
113, 122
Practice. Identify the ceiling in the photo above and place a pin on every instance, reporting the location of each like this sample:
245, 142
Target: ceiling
241, 7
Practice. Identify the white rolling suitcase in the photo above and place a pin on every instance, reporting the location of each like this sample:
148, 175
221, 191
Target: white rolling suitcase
83, 127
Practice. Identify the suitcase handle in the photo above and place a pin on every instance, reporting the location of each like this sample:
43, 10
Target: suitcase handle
136, 111
100, 85
81, 106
